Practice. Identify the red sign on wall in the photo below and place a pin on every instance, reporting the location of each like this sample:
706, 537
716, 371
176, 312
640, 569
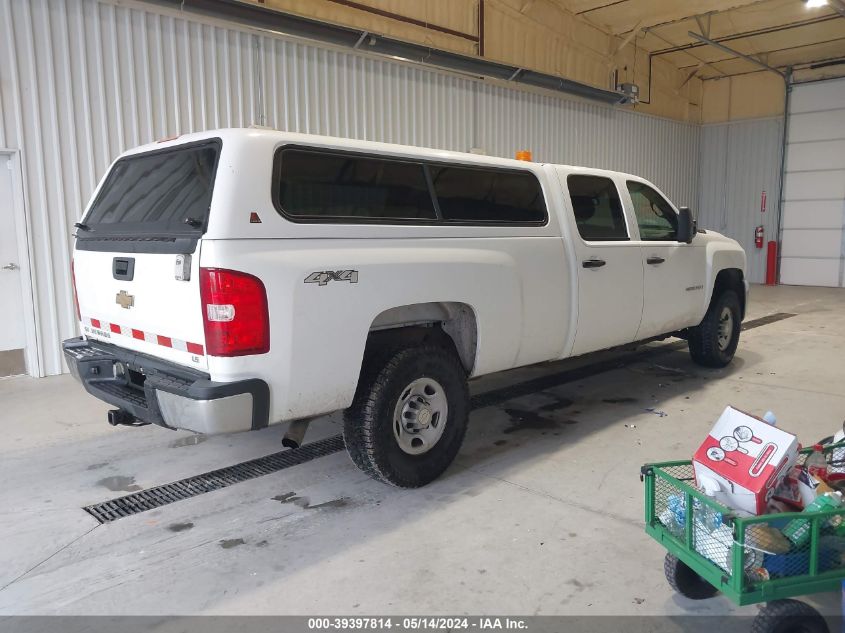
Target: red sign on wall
763, 201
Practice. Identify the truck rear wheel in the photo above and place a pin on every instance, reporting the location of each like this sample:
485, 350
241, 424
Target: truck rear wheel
713, 342
409, 416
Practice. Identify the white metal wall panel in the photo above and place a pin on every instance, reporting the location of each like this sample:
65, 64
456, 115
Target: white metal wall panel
319, 91
813, 246
560, 130
739, 161
83, 80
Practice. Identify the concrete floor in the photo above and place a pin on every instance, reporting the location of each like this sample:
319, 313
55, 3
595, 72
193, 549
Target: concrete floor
539, 515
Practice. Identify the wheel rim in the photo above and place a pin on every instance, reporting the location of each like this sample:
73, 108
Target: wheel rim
726, 328
420, 416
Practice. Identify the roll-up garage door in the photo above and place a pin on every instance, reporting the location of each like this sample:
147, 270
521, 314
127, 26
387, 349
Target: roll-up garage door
813, 223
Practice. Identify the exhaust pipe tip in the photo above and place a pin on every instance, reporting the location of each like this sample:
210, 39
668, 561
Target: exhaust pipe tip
296, 433
289, 443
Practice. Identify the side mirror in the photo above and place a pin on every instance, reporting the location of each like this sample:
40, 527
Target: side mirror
686, 225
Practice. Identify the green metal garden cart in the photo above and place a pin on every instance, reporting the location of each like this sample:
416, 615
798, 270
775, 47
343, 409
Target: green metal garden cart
711, 549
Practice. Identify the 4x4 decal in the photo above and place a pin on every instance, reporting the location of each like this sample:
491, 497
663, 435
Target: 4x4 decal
325, 276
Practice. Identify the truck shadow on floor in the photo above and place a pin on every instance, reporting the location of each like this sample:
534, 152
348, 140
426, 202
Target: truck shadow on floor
634, 395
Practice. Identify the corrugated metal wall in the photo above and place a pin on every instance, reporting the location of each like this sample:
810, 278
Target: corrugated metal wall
739, 161
578, 133
82, 80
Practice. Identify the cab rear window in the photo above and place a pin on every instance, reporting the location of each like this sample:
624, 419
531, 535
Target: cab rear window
160, 193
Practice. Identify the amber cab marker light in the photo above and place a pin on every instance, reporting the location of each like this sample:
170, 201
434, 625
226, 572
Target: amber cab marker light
524, 154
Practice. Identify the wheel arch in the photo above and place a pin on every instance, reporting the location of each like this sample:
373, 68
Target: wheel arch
730, 279
448, 320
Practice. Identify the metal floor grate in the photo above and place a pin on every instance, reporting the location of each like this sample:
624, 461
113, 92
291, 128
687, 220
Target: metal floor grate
216, 479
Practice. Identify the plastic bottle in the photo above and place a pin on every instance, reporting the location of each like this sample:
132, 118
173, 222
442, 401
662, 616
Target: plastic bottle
706, 516
816, 463
798, 530
770, 418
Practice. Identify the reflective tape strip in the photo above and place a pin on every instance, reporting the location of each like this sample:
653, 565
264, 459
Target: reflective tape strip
148, 337
195, 348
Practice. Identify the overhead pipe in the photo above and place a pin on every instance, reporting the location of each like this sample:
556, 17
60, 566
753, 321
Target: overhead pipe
298, 26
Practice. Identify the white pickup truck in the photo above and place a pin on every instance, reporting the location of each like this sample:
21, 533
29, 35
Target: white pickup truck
238, 278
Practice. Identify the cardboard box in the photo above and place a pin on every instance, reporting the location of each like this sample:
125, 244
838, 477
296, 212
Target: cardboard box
742, 461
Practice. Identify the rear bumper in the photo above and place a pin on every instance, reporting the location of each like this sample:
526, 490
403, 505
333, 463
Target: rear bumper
164, 393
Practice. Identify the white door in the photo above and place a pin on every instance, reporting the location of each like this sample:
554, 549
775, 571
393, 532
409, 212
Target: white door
673, 272
12, 334
610, 268
813, 223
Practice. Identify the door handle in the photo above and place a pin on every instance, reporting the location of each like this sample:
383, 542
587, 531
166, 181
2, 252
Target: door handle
655, 260
11, 266
593, 263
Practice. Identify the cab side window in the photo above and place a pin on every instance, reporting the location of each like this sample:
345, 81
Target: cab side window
597, 207
323, 185
655, 217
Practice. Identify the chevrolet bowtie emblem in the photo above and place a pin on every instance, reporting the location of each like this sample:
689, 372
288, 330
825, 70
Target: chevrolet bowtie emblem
124, 299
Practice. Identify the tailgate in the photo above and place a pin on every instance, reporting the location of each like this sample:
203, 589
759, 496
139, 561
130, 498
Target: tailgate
136, 261
154, 313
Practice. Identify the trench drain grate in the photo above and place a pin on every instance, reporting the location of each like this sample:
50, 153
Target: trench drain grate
214, 480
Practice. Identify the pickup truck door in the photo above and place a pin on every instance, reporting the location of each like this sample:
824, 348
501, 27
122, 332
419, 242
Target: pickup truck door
673, 271
609, 264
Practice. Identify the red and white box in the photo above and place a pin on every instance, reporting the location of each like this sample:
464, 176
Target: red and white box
743, 459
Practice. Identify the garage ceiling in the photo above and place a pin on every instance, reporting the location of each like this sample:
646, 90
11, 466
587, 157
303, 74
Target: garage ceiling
780, 33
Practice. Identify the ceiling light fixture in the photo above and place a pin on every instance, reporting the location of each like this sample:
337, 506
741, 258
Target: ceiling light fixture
815, 4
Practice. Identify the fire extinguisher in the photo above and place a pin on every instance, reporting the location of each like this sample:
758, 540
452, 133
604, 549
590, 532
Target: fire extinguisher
758, 236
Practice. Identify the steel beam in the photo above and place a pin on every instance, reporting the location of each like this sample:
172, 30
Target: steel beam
727, 49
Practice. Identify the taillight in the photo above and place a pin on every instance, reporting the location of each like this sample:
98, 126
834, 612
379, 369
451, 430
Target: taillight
234, 313
75, 296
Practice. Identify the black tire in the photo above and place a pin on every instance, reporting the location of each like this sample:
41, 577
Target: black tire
368, 426
789, 616
685, 581
704, 344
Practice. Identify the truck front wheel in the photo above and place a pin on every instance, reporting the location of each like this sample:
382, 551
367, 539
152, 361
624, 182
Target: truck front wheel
713, 342
409, 416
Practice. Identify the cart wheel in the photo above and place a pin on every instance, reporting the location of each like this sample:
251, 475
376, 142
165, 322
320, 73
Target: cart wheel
685, 581
789, 616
